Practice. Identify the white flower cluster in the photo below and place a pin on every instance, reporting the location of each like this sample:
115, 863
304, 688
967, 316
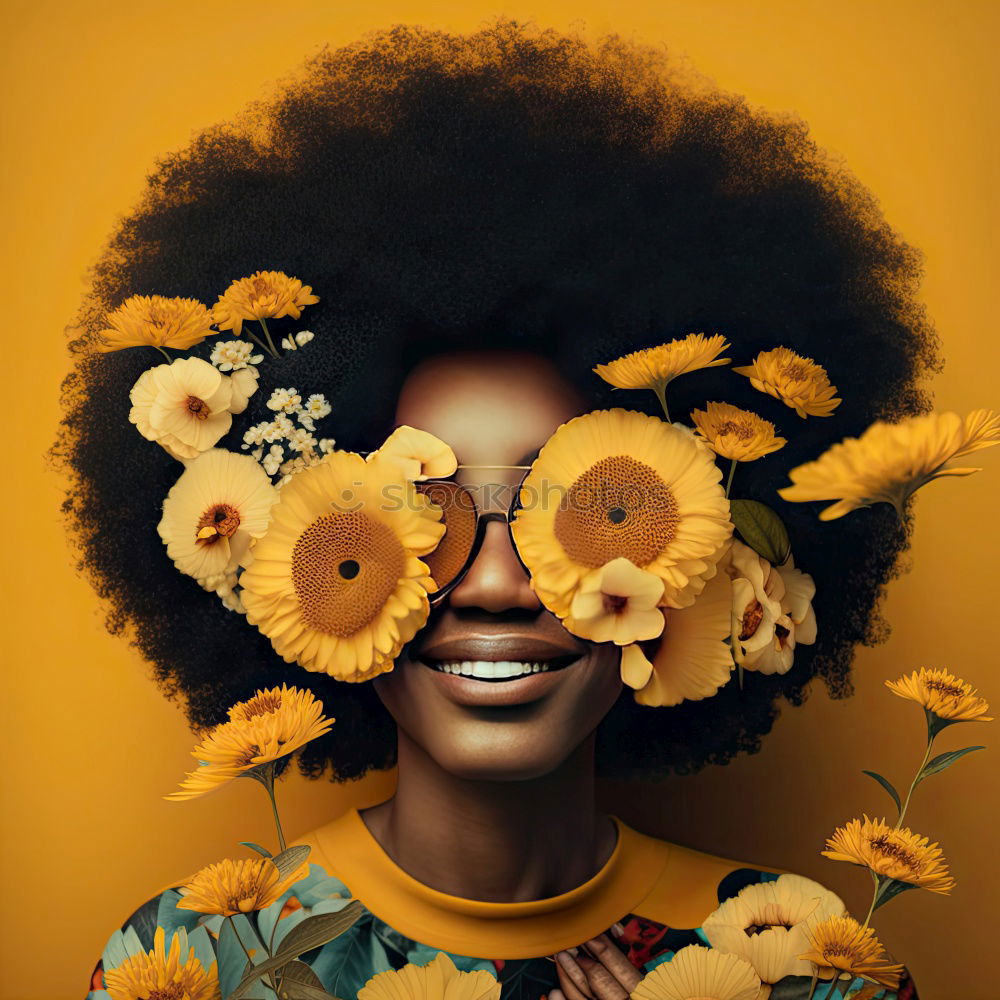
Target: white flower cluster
234, 355
297, 435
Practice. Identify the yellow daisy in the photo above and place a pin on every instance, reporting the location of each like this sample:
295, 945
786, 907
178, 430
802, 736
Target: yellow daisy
336, 583
230, 886
889, 462
271, 725
262, 296
418, 455
614, 483
161, 974
899, 854
617, 603
734, 433
947, 696
699, 973
798, 382
156, 321
438, 980
840, 944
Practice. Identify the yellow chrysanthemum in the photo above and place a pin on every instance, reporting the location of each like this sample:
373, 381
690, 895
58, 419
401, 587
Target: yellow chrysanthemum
841, 944
653, 367
614, 483
899, 854
271, 725
947, 696
162, 975
699, 973
438, 980
156, 321
797, 381
230, 886
264, 295
734, 433
617, 603
336, 583
889, 462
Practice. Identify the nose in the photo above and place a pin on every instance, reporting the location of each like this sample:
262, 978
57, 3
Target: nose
496, 581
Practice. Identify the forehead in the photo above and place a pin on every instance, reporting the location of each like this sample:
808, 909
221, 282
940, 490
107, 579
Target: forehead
490, 407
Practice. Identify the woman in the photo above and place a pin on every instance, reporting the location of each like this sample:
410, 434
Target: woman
484, 219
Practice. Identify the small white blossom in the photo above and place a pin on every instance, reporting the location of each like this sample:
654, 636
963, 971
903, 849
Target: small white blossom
257, 452
316, 406
307, 422
273, 459
326, 445
255, 435
303, 337
285, 400
233, 355
288, 344
301, 440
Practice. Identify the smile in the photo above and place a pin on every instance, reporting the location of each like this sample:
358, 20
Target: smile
498, 670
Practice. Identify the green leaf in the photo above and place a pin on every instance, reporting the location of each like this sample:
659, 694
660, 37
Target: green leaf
887, 785
762, 529
299, 982
889, 888
943, 761
289, 860
256, 847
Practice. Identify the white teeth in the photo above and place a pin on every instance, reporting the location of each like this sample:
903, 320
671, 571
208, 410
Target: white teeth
491, 670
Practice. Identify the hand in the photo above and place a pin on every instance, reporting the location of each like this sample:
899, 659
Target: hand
599, 971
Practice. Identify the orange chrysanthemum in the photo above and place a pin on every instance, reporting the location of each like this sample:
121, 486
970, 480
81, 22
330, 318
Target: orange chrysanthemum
163, 974
736, 434
230, 886
798, 382
156, 321
841, 944
264, 295
947, 696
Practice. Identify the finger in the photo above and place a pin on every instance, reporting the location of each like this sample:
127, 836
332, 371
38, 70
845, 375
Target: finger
556, 995
603, 985
615, 962
572, 978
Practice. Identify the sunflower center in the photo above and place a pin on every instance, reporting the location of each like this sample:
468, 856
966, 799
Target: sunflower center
737, 428
795, 371
172, 991
345, 567
752, 618
890, 849
265, 703
223, 519
198, 408
618, 507
943, 687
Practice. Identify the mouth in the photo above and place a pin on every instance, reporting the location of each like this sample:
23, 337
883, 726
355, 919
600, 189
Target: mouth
498, 670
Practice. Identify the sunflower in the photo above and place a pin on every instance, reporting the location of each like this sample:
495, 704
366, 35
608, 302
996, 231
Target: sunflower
156, 321
163, 975
220, 503
766, 924
336, 583
890, 462
840, 944
438, 980
943, 694
418, 455
699, 973
262, 296
272, 724
898, 854
230, 887
734, 433
615, 483
798, 382
617, 603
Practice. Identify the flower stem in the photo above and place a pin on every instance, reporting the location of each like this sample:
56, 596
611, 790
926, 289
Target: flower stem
170, 360
812, 985
729, 482
270, 342
871, 909
913, 784
661, 395
277, 819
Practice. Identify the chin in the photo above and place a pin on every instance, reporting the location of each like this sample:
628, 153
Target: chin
492, 757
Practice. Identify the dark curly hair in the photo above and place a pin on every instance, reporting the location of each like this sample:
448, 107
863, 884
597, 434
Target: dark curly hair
510, 188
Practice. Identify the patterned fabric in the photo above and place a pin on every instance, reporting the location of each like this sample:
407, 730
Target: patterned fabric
371, 946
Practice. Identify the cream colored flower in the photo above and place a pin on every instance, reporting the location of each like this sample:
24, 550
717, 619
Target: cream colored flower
617, 603
417, 454
767, 924
698, 973
797, 381
234, 355
285, 401
438, 980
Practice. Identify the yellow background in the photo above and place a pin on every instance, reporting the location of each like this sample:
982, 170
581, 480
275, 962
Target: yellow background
93, 92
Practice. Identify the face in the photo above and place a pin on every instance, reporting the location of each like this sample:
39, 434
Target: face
495, 410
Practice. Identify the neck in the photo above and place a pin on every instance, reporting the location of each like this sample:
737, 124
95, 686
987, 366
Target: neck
497, 841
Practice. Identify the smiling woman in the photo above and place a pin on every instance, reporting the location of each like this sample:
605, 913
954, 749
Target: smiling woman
485, 219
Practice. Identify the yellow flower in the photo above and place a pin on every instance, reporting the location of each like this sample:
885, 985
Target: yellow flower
271, 725
797, 381
336, 583
840, 944
617, 603
889, 462
614, 483
735, 433
899, 854
230, 887
160, 974
653, 367
264, 295
699, 973
947, 696
438, 980
417, 454
156, 321
220, 503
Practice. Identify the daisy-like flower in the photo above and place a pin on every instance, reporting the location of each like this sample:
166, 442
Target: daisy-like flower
617, 603
285, 401
654, 367
890, 462
234, 355
840, 944
798, 382
612, 484
156, 321
899, 854
188, 405
438, 980
734, 433
317, 406
164, 974
417, 454
699, 973
220, 503
337, 584
230, 886
940, 692
264, 295
271, 725
767, 924
301, 440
